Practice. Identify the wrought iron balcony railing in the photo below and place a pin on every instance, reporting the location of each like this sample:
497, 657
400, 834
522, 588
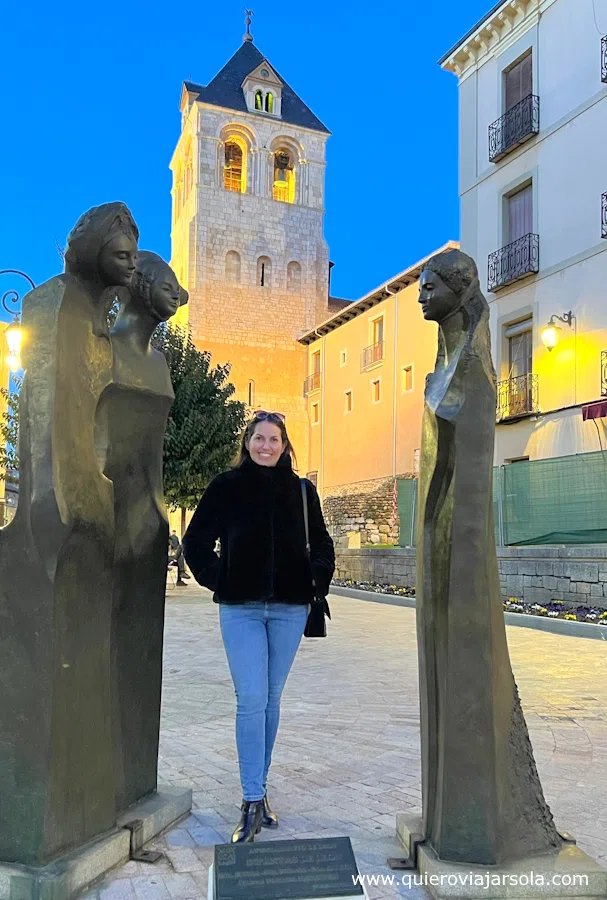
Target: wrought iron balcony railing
514, 261
603, 373
604, 216
604, 59
515, 127
517, 397
371, 355
312, 383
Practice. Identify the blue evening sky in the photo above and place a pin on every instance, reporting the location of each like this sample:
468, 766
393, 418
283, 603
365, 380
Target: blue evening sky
89, 112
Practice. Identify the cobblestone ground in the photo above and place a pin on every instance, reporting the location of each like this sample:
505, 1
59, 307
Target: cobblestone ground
347, 755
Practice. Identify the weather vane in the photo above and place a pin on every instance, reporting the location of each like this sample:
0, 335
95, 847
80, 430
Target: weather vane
248, 13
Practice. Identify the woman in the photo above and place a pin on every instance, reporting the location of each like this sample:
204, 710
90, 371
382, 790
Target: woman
136, 406
263, 582
482, 798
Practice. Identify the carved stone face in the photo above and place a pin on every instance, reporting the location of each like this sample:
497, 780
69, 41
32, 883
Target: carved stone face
165, 295
116, 263
436, 299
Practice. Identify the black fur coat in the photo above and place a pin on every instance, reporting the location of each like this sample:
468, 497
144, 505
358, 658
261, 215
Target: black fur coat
256, 512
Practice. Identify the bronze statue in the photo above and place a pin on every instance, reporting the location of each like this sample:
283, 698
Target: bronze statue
136, 406
56, 754
482, 798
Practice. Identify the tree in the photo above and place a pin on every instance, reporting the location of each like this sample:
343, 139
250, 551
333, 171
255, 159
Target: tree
204, 423
9, 432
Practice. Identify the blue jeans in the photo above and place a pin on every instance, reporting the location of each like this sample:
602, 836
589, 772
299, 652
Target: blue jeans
261, 640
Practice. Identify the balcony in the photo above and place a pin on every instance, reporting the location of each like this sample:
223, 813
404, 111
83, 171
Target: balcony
312, 383
604, 216
371, 356
603, 373
604, 59
514, 261
517, 398
518, 125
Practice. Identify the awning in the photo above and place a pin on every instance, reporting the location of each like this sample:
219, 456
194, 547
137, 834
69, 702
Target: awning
596, 410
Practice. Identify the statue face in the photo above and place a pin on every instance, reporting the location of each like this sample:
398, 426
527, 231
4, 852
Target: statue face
116, 263
164, 295
436, 299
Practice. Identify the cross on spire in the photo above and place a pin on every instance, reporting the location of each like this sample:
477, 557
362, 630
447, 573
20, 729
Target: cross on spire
248, 36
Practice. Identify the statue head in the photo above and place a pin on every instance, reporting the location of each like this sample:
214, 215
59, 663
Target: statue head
102, 245
156, 288
446, 283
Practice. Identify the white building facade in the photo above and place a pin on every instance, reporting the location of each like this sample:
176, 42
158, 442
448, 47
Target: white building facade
533, 176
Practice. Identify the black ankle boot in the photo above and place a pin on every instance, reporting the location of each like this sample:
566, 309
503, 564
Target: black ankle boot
250, 822
270, 819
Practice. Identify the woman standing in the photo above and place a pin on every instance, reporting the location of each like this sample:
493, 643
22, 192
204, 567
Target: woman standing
263, 582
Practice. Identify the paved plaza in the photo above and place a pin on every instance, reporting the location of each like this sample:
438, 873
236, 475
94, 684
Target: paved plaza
347, 755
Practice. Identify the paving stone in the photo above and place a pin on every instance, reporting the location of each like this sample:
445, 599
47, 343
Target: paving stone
347, 755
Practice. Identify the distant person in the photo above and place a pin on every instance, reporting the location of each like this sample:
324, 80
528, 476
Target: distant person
262, 580
176, 556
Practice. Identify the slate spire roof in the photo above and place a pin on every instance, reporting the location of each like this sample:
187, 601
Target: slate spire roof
226, 89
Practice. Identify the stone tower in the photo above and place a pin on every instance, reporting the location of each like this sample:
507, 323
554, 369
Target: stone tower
247, 232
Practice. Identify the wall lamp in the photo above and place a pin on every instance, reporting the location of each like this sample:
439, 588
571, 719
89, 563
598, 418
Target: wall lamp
551, 333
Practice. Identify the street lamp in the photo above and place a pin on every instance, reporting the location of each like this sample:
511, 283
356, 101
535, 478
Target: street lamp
14, 332
551, 332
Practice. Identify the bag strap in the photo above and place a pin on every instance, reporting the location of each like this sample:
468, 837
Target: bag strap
304, 496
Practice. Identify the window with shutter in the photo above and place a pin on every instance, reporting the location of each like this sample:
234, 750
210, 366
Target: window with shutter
518, 81
520, 214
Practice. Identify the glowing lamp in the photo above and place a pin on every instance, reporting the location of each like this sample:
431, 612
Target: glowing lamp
14, 339
550, 335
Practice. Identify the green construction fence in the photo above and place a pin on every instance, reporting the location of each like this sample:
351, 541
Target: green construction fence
545, 501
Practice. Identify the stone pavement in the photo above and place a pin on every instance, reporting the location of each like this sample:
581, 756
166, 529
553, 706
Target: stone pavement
347, 754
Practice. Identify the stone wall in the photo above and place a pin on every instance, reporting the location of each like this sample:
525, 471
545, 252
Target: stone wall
362, 513
577, 575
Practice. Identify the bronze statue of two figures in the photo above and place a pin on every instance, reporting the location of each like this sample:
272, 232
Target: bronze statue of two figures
83, 568
83, 564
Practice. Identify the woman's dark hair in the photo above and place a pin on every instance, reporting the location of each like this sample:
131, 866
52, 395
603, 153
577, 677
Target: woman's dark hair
249, 431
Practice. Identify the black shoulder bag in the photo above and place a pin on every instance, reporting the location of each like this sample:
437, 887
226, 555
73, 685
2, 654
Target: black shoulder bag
316, 625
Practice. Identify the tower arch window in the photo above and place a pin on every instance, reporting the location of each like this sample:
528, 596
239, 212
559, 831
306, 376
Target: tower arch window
284, 177
234, 168
232, 266
251, 393
264, 271
269, 102
294, 276
258, 100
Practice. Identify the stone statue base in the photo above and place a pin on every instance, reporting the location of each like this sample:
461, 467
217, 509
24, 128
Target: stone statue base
69, 875
566, 874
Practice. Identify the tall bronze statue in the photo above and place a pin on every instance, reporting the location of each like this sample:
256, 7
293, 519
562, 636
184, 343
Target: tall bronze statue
136, 406
482, 798
56, 557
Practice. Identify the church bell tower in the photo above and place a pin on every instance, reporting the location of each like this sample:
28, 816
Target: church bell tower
247, 230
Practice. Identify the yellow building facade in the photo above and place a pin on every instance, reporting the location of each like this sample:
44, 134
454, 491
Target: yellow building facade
364, 391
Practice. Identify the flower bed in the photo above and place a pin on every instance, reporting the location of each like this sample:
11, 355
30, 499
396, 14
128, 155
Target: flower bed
556, 609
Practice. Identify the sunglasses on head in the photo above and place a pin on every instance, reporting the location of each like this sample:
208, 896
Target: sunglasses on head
264, 414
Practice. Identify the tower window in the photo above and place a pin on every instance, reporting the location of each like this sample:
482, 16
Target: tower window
258, 100
264, 271
343, 358
376, 390
407, 378
293, 276
348, 404
315, 414
269, 102
251, 393
233, 168
284, 177
232, 266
